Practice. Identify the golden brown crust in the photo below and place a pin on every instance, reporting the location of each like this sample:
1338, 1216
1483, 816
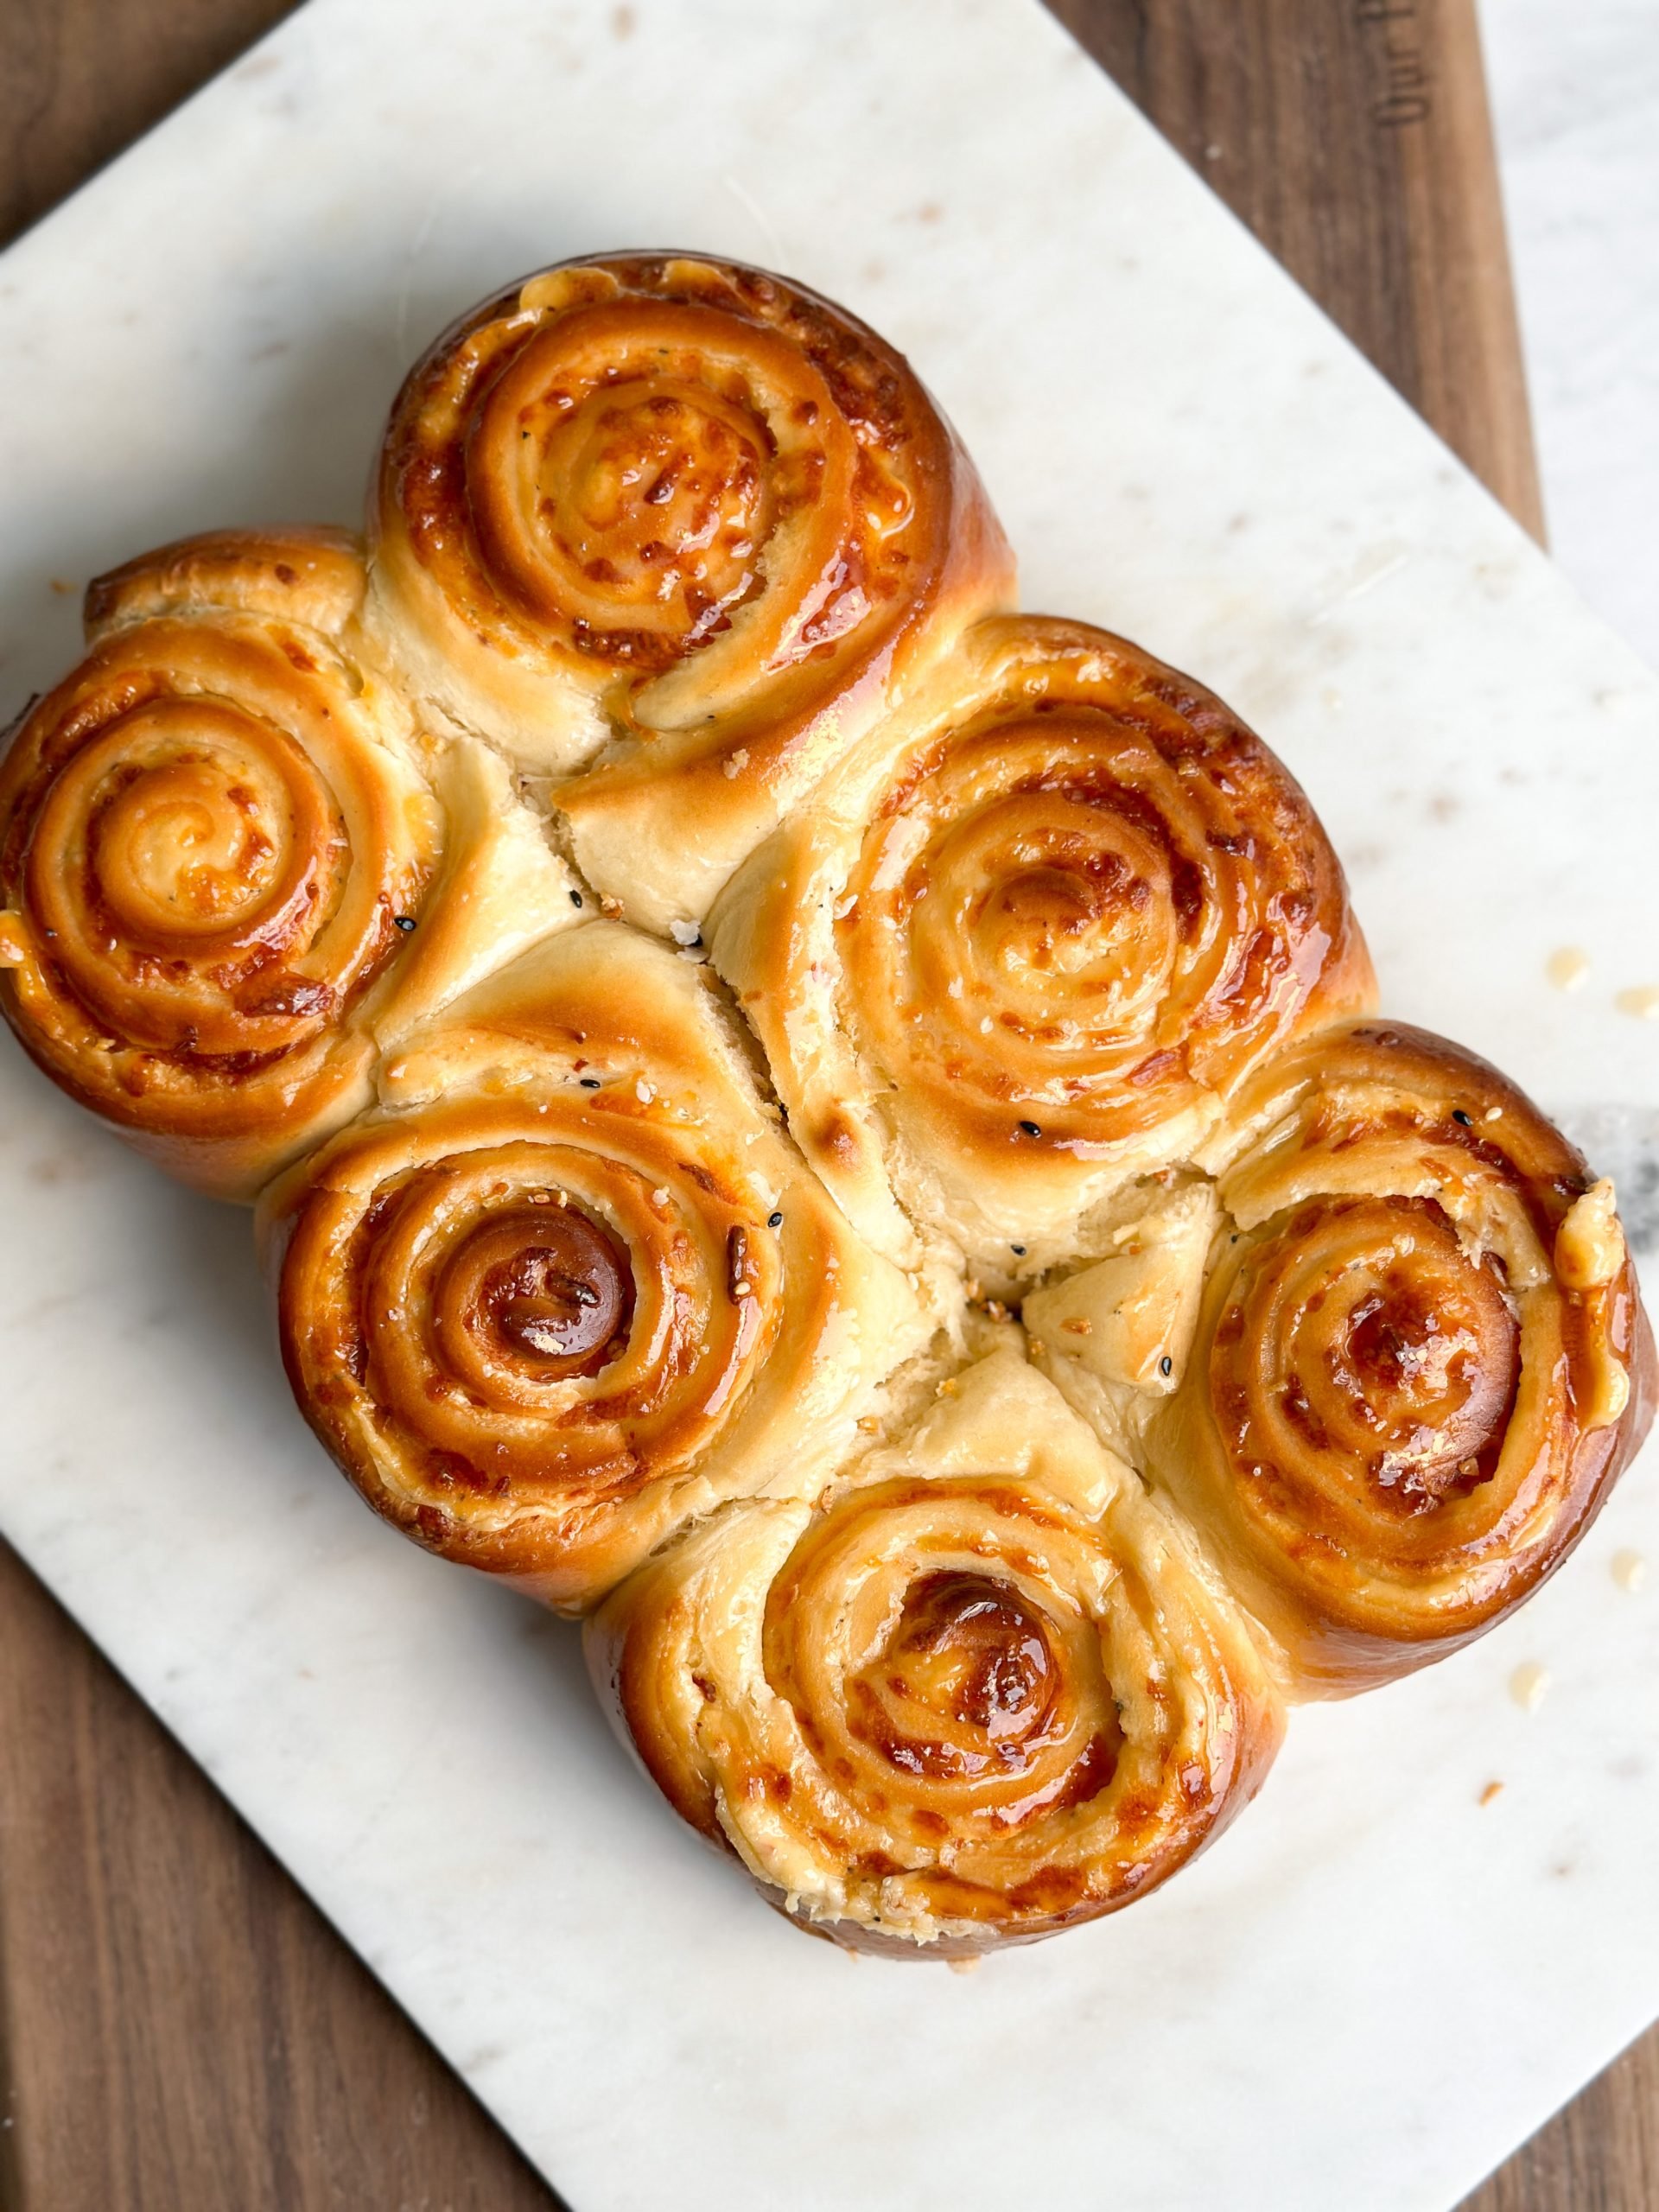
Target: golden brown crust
980, 1693
682, 526
569, 1285
211, 830
227, 869
1422, 1362
305, 573
1029, 954
675, 568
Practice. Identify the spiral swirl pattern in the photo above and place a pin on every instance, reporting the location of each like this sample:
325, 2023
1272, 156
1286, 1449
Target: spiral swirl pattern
686, 517
956, 1709
969, 1400
538, 1328
1402, 1409
210, 847
1062, 926
620, 465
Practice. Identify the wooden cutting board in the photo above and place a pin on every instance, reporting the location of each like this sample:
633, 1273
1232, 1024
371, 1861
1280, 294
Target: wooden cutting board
178, 2027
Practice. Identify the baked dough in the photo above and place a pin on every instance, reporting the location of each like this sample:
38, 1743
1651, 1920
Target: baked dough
566, 1286
982, 1321
1026, 948
684, 527
1422, 1360
228, 866
981, 1690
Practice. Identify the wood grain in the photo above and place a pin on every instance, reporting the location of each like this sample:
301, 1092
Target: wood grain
181, 2029
178, 2026
1353, 137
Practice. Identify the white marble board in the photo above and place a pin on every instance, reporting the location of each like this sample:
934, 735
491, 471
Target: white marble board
1375, 1986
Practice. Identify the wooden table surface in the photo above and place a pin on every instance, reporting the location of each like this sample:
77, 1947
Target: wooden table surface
179, 2028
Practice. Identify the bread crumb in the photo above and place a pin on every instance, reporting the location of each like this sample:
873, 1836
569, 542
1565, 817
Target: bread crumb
1493, 1789
1529, 1686
1629, 1570
1589, 1244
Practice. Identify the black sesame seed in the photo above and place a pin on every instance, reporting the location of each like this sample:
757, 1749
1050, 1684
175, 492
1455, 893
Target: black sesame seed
774, 1221
576, 897
590, 1083
404, 922
1018, 1250
1166, 1365
1458, 1115
1031, 1128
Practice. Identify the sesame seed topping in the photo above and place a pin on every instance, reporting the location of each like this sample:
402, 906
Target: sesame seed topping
1458, 1115
738, 1284
1166, 1365
774, 1221
590, 1083
404, 922
1031, 1128
1018, 1250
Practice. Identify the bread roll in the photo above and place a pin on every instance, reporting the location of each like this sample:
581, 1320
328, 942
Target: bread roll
1031, 952
1421, 1359
228, 866
567, 1286
979, 1691
680, 526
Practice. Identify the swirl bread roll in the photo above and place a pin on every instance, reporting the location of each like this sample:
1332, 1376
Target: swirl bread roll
1421, 1359
568, 1284
979, 1691
228, 868
684, 527
1027, 955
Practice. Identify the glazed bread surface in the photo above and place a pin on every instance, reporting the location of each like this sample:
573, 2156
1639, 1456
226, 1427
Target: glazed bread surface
1421, 1359
228, 868
979, 1691
1029, 946
674, 533
834, 1129
566, 1286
